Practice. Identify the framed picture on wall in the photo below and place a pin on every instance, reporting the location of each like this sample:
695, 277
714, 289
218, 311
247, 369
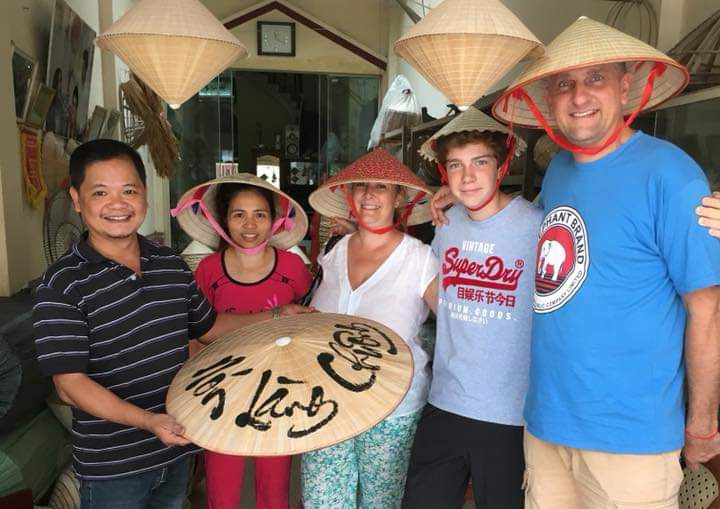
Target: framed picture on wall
69, 71
24, 69
39, 106
276, 38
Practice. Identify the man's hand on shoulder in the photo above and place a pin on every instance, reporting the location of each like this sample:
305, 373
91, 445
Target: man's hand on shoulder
440, 201
709, 213
166, 428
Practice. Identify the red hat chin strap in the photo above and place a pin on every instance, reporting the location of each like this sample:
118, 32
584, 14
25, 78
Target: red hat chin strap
502, 171
384, 229
657, 70
443, 172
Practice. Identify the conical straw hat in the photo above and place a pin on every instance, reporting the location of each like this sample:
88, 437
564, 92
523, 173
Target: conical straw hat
193, 221
376, 166
291, 385
471, 119
175, 46
463, 47
588, 42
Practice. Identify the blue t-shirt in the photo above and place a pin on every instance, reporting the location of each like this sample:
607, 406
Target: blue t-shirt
484, 313
618, 247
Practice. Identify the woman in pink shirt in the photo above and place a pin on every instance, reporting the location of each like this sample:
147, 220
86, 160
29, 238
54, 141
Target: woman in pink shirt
249, 273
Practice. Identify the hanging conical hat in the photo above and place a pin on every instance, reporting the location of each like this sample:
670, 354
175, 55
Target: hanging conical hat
175, 46
195, 223
376, 166
588, 42
471, 119
463, 47
291, 385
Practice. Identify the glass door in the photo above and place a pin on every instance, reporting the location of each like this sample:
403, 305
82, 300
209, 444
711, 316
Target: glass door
203, 126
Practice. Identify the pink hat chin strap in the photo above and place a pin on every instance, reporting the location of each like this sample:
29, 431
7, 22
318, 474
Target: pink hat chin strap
287, 222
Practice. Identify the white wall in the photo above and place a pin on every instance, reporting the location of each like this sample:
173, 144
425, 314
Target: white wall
361, 20
313, 52
695, 12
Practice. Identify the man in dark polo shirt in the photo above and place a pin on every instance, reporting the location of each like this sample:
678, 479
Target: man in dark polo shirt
113, 318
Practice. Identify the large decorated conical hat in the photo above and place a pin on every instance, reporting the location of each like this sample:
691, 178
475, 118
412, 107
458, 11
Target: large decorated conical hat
291, 385
588, 42
194, 221
376, 166
463, 47
175, 46
471, 119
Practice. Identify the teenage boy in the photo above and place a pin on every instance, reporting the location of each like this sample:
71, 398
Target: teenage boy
471, 428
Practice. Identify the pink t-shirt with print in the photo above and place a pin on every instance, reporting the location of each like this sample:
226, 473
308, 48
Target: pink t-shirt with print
288, 282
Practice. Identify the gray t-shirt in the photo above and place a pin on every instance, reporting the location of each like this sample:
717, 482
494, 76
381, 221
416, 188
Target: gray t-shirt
484, 315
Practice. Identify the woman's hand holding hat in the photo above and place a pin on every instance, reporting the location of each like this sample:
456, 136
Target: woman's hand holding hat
295, 309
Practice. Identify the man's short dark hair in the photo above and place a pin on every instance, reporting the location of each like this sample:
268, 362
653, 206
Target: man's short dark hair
101, 150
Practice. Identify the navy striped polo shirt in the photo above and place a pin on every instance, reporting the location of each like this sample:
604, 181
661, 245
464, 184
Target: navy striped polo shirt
128, 333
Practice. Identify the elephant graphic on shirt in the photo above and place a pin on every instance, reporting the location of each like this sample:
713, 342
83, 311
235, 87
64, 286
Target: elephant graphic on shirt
552, 253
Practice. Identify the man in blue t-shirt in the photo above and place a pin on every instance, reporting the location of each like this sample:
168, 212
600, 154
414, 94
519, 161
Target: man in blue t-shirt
627, 297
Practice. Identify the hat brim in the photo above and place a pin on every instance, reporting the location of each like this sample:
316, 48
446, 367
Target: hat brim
511, 109
194, 223
470, 120
330, 201
586, 43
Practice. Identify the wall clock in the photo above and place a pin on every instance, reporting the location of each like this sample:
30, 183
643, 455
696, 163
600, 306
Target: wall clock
276, 38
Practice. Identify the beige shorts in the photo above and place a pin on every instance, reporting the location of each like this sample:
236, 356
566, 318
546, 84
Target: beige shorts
558, 477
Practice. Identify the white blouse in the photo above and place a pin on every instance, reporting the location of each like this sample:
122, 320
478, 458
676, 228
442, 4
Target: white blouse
393, 296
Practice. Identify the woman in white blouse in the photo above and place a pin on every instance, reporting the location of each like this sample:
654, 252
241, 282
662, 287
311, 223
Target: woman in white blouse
382, 274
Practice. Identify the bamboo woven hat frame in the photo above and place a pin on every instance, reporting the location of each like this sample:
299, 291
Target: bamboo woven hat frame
376, 166
194, 222
471, 119
175, 46
291, 385
588, 42
463, 47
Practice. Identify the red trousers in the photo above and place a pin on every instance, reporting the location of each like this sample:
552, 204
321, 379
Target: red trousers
224, 476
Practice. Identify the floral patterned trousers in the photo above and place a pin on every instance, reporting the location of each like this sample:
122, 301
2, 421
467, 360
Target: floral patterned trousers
367, 471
